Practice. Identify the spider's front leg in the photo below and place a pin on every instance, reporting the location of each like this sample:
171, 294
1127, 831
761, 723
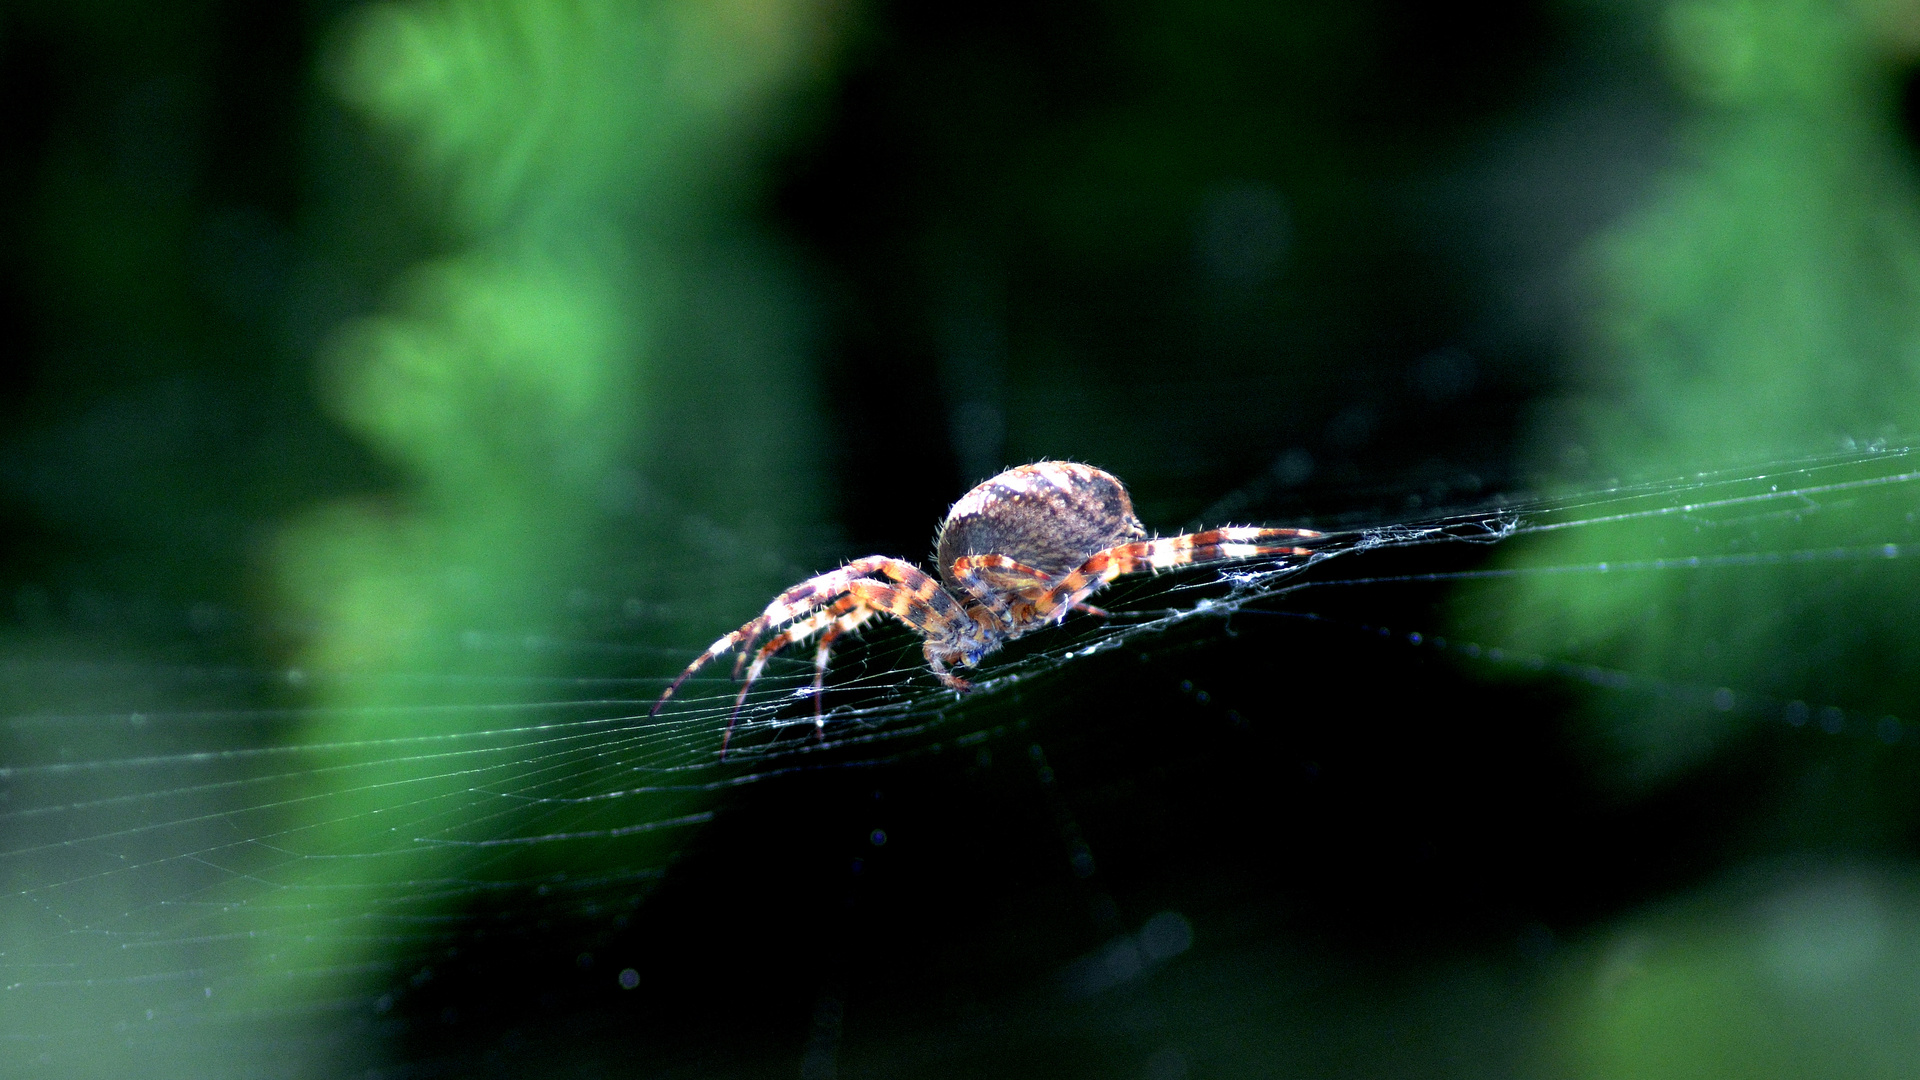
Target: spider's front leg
808, 596
836, 602
938, 619
823, 651
829, 622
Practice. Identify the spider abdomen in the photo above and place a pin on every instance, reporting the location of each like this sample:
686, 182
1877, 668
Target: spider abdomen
1051, 515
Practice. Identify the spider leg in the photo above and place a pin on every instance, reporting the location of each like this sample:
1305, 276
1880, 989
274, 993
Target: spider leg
989, 579
809, 595
976, 571
952, 633
865, 598
844, 624
821, 602
816, 591
823, 620
1214, 545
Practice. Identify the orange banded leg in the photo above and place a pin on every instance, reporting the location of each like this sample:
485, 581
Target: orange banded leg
990, 579
823, 620
1215, 545
845, 624
847, 613
810, 595
865, 597
818, 591
824, 588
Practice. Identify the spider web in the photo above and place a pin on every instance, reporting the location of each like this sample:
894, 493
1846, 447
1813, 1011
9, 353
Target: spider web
170, 847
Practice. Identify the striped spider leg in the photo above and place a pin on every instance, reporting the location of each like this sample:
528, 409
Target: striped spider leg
1006, 587
1214, 545
842, 616
996, 582
839, 600
845, 624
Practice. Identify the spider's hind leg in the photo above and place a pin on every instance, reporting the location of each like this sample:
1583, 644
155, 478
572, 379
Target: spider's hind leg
1214, 545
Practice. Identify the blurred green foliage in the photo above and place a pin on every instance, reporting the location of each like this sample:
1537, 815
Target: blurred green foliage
572, 146
1809, 979
1764, 300
568, 172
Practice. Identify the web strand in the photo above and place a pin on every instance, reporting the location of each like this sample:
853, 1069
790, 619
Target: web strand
168, 825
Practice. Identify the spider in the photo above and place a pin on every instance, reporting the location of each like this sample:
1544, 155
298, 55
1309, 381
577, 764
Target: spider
1015, 554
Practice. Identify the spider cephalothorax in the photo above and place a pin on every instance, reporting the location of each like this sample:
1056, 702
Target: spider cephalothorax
1016, 553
